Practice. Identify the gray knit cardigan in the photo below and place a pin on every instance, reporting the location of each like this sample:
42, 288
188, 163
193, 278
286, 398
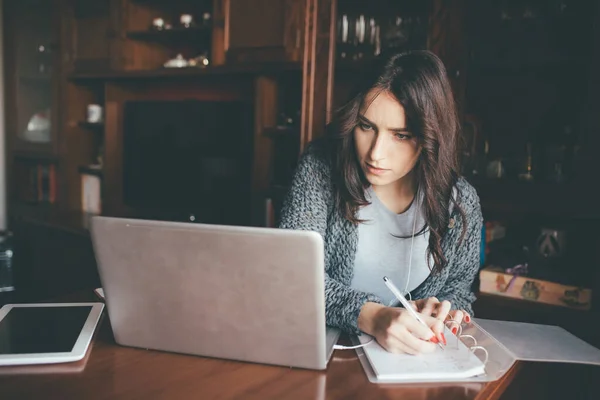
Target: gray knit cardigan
310, 205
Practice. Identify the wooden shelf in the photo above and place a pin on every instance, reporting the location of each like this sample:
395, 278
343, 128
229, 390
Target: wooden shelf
535, 199
90, 170
36, 79
32, 155
343, 65
175, 34
96, 126
281, 131
161, 2
52, 216
191, 72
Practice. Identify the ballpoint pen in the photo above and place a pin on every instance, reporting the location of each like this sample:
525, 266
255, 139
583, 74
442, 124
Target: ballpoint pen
405, 303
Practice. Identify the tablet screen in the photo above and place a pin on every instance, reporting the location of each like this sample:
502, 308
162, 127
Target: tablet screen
41, 329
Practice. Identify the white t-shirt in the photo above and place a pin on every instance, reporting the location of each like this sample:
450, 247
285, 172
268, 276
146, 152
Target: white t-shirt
380, 252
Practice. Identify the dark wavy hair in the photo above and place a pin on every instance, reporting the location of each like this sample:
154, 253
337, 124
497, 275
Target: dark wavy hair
418, 80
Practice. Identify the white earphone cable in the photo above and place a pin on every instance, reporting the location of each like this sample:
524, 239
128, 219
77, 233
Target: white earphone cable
340, 347
412, 242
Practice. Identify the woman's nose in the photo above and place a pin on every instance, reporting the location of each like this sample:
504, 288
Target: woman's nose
378, 147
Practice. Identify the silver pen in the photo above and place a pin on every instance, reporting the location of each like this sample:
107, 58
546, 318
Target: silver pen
405, 303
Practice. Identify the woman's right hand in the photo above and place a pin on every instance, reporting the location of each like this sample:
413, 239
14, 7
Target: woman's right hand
397, 331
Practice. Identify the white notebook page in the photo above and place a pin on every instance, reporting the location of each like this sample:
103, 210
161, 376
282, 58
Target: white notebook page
456, 361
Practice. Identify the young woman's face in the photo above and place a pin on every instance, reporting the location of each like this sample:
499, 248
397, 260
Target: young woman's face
386, 150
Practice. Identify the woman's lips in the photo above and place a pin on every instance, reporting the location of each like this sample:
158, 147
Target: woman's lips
374, 170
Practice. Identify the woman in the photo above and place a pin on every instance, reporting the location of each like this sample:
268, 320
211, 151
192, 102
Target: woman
384, 191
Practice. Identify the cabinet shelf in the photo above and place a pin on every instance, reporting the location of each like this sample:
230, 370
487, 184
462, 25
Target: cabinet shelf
91, 170
281, 131
172, 35
34, 156
534, 199
52, 216
191, 72
95, 126
161, 2
35, 78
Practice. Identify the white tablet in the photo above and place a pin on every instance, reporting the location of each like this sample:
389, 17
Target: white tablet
46, 333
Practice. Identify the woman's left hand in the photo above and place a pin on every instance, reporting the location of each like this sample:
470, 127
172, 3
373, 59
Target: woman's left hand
441, 310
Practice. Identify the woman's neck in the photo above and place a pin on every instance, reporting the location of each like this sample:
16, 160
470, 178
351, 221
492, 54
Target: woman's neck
399, 195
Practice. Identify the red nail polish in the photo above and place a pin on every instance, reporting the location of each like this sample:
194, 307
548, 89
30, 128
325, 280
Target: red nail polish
444, 339
434, 340
454, 330
467, 318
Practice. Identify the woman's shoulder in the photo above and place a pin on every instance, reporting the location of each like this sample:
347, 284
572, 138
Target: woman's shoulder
466, 195
316, 158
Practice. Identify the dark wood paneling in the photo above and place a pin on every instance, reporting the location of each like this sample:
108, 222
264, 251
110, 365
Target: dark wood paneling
317, 65
446, 37
90, 34
263, 30
112, 184
265, 116
218, 34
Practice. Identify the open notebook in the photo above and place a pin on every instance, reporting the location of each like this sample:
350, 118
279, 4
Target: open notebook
504, 342
456, 361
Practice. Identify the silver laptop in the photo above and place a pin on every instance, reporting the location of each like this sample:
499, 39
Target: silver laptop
240, 293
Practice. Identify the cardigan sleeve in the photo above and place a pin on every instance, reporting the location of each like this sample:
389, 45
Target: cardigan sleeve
463, 267
307, 206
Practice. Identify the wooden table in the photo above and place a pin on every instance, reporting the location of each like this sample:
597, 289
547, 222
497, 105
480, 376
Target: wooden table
110, 371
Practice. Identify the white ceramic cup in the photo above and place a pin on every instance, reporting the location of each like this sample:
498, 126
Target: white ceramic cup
94, 113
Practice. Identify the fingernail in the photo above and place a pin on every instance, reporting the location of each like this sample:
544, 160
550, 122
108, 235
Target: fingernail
454, 330
444, 339
467, 318
434, 340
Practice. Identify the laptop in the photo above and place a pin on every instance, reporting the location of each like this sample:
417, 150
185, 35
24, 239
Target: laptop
240, 293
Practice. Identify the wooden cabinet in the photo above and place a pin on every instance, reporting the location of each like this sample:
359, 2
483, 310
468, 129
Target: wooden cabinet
263, 30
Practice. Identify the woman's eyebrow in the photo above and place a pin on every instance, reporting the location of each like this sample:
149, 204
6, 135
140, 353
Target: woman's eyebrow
365, 119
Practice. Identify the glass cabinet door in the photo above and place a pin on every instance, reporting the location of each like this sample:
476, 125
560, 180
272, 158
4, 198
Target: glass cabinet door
30, 49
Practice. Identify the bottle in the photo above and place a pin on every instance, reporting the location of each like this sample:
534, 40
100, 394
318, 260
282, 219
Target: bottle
6, 255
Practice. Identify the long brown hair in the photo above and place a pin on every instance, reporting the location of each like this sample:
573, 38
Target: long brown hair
418, 80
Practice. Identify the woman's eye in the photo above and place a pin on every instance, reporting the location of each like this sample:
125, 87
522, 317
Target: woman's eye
401, 136
364, 127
